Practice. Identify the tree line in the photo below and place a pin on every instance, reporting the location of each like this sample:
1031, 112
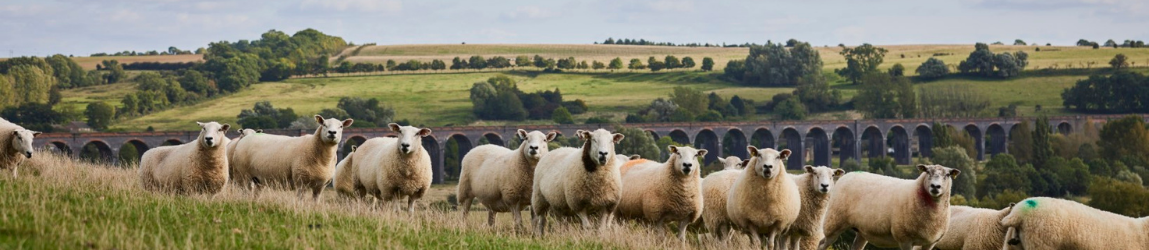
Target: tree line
170, 51
30, 89
499, 98
628, 41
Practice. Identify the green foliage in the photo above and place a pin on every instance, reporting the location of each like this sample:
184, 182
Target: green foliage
693, 101
933, 68
710, 116
1042, 149
636, 64
33, 116
1125, 137
897, 70
814, 92
735, 69
1003, 173
982, 62
598, 65
861, 61
562, 116
264, 116
1119, 197
1128, 176
672, 62
1121, 92
1021, 143
616, 63
1119, 61
951, 101
637, 142
99, 115
956, 158
499, 98
688, 62
1001, 200
31, 84
885, 166
883, 97
371, 110
790, 109
773, 64
115, 71
597, 120
707, 64
655, 65
851, 165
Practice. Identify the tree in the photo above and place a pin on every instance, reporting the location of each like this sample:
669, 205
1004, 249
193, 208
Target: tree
635, 64
688, 62
477, 62
956, 158
1042, 151
562, 116
897, 70
116, 70
672, 62
1119, 197
790, 109
691, 100
365, 110
860, 61
980, 61
598, 65
1121, 92
1119, 61
1125, 138
707, 64
1019, 42
1110, 43
522, 61
616, 63
1021, 143
637, 142
1003, 173
773, 64
933, 68
567, 63
99, 115
735, 69
814, 92
655, 64
951, 101
1010, 65
883, 96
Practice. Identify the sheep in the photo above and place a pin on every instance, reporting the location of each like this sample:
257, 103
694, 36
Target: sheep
299, 163
763, 200
889, 211
191, 168
502, 178
714, 190
814, 185
1050, 223
974, 228
731, 162
388, 168
660, 192
580, 181
17, 145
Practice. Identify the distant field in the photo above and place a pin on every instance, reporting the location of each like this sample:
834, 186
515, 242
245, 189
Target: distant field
91, 62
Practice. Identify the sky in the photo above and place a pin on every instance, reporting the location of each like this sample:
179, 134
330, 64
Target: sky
82, 27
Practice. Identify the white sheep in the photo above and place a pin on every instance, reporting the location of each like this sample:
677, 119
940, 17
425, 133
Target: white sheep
16, 145
814, 185
731, 162
1050, 223
501, 178
974, 228
715, 187
578, 181
891, 212
763, 200
661, 192
196, 167
388, 168
297, 163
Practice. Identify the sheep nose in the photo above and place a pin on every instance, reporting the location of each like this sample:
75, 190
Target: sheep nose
687, 164
331, 132
406, 145
534, 147
602, 153
769, 166
28, 154
935, 186
824, 186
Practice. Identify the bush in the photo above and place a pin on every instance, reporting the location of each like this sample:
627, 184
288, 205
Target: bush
933, 68
710, 116
99, 115
1003, 173
1119, 197
956, 158
597, 120
562, 116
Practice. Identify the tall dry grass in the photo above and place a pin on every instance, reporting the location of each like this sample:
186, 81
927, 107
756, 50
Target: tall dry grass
49, 178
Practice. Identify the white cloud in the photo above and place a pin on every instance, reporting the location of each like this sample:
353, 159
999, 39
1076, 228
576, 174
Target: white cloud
527, 13
353, 5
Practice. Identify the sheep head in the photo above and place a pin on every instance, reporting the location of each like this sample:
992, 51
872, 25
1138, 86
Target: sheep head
212, 134
938, 179
768, 162
410, 138
822, 177
598, 147
687, 159
732, 162
22, 141
534, 143
331, 130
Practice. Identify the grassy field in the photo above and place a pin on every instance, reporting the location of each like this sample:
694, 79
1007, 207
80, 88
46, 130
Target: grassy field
57, 203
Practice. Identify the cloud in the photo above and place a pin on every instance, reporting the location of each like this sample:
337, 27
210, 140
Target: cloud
390, 6
671, 5
527, 13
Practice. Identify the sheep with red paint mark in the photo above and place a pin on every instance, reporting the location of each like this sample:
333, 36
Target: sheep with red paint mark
891, 212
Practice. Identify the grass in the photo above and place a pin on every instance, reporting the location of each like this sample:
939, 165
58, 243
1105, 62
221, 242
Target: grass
61, 203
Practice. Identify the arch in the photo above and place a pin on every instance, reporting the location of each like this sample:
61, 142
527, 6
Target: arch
734, 144
680, 137
792, 140
873, 142
707, 139
172, 142
653, 135
431, 146
818, 142
132, 151
1064, 128
900, 145
97, 151
996, 139
493, 138
978, 140
762, 138
455, 148
59, 147
925, 137
847, 144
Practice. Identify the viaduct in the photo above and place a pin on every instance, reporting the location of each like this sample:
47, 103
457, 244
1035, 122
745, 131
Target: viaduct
816, 141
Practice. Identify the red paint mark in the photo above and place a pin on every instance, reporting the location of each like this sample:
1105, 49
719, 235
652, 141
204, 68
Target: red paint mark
927, 199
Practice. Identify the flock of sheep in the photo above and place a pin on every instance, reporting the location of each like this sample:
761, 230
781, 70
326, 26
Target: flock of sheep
755, 196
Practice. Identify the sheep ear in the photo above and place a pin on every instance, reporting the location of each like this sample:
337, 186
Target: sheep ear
635, 157
753, 150
199, 123
1010, 205
582, 134
672, 149
16, 133
394, 127
809, 169
522, 134
35, 133
954, 173
702, 153
424, 132
838, 172
785, 154
722, 160
745, 162
618, 137
551, 136
224, 128
348, 122
319, 119
922, 167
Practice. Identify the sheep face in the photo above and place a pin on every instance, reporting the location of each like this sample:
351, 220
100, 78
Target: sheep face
599, 145
938, 178
22, 141
687, 159
731, 162
410, 138
212, 134
768, 162
823, 178
535, 143
331, 130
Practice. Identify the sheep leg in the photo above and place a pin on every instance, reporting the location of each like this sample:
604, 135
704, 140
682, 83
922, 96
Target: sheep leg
491, 218
465, 205
517, 211
585, 221
907, 246
605, 220
770, 240
830, 237
755, 239
930, 246
411, 204
316, 191
540, 217
859, 243
682, 230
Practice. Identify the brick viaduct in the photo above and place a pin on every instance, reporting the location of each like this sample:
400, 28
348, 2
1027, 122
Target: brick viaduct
816, 140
